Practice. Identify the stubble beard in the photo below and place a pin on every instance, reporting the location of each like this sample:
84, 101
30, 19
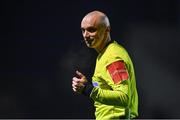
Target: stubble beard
90, 43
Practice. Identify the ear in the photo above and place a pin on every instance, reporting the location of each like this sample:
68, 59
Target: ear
108, 29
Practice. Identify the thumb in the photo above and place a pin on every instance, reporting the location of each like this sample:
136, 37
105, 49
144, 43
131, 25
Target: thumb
80, 74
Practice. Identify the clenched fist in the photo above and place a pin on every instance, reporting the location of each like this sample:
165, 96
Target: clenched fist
78, 83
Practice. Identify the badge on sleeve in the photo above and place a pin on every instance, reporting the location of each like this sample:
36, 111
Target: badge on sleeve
118, 71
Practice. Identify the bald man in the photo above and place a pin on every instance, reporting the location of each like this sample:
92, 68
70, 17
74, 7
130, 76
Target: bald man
113, 86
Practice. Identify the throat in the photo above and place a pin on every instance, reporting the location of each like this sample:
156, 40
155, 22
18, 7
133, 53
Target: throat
103, 46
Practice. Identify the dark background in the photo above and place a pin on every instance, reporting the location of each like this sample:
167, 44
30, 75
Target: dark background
41, 47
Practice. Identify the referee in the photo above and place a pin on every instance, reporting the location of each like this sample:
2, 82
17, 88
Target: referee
113, 86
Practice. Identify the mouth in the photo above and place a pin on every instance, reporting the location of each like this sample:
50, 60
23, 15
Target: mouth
89, 41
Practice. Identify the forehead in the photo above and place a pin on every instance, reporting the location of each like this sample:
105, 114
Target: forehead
89, 21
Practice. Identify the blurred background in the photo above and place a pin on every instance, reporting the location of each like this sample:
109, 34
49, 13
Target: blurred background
42, 46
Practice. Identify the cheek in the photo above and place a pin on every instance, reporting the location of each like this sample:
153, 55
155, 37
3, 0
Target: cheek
93, 35
97, 36
100, 36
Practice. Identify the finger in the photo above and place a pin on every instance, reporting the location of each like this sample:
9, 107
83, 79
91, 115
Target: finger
78, 85
75, 79
74, 89
74, 82
73, 86
79, 74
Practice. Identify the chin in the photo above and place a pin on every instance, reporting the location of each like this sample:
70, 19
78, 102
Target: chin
89, 46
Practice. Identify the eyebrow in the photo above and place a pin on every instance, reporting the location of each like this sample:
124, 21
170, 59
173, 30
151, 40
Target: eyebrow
88, 27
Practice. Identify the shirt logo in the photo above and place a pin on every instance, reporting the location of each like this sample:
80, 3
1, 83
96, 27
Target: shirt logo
95, 84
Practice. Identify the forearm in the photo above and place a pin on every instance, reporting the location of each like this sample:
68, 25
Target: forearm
109, 97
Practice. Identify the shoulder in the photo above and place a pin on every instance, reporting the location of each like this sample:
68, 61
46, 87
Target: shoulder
115, 52
116, 49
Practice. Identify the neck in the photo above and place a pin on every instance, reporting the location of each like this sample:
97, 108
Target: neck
103, 45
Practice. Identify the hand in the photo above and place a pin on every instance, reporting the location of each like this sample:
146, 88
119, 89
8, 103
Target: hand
78, 83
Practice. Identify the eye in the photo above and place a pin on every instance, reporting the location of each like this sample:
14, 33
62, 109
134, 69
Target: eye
91, 29
82, 29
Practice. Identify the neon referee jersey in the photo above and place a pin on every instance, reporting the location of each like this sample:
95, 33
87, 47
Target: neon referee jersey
114, 93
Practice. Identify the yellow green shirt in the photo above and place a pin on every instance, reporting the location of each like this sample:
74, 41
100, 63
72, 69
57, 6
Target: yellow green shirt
114, 100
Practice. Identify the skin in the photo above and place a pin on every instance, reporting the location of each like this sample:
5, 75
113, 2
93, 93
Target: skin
96, 34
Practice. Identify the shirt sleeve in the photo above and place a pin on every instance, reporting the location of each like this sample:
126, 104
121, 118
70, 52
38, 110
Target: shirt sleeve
110, 97
118, 95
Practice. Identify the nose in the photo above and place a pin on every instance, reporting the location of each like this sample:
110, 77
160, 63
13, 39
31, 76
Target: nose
86, 34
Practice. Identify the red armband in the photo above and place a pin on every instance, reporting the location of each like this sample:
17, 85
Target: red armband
118, 71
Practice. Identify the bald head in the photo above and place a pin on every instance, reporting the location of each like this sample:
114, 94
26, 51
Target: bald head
96, 30
98, 18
